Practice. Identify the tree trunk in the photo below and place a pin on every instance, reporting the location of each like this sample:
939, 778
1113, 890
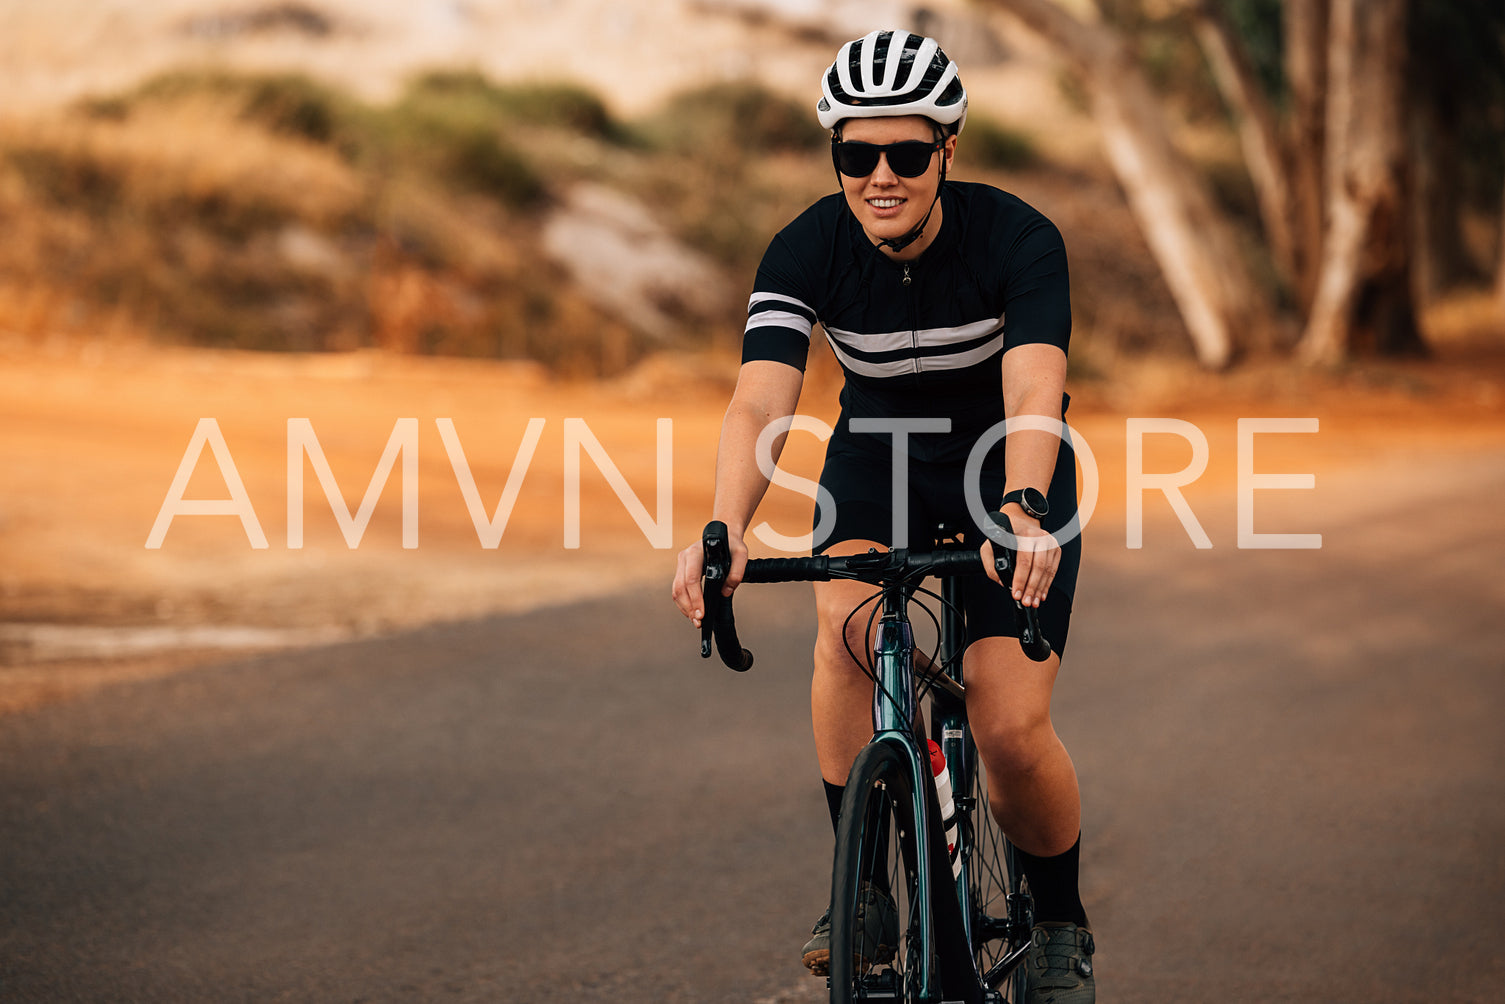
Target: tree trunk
1363, 298
1441, 260
1257, 131
1193, 243
1305, 31
1500, 268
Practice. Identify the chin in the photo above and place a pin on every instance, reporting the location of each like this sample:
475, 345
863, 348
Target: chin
889, 229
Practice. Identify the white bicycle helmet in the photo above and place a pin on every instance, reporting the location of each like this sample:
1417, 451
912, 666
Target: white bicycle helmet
892, 73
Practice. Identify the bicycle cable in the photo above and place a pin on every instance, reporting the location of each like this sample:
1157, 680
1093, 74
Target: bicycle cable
938, 665
868, 664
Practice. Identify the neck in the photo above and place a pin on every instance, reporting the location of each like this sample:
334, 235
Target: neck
914, 243
929, 227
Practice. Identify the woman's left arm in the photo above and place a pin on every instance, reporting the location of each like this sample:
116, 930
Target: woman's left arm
1034, 379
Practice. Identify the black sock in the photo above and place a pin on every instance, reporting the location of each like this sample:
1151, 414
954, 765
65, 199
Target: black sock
834, 793
833, 800
1053, 885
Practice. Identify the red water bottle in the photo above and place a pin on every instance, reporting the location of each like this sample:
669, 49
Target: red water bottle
943, 795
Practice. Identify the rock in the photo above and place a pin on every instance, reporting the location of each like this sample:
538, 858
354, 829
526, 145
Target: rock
630, 266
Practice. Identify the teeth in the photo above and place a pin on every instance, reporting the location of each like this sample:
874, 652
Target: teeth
884, 203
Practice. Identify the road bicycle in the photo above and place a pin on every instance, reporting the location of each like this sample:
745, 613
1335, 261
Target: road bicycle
964, 915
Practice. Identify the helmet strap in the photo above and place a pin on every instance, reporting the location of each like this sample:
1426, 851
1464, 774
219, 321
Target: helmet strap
897, 244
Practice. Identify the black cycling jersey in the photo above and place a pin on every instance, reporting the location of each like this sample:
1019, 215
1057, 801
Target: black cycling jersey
918, 338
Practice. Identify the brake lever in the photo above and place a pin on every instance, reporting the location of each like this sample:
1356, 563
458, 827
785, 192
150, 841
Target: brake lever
1031, 640
717, 629
717, 562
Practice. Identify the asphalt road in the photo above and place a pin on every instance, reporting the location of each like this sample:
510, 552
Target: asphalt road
1293, 767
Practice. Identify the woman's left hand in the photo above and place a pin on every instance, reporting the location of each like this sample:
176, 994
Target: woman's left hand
1038, 553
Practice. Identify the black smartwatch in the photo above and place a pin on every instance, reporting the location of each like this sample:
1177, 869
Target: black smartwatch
1031, 500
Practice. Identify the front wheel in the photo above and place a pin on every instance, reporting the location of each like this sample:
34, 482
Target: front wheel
874, 912
1001, 907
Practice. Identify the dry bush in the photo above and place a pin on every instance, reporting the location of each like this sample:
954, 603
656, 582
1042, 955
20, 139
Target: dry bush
275, 213
278, 213
194, 158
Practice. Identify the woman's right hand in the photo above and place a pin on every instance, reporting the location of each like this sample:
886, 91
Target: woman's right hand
691, 565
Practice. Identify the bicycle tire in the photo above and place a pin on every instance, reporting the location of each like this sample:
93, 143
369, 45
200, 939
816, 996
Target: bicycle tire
875, 840
993, 876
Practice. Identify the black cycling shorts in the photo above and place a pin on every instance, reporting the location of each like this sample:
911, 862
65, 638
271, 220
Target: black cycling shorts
859, 479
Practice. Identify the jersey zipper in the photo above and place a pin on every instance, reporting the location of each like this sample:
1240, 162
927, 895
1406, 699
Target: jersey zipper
914, 324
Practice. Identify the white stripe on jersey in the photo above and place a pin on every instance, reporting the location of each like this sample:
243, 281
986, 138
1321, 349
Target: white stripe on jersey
757, 298
843, 342
892, 368
961, 360
777, 318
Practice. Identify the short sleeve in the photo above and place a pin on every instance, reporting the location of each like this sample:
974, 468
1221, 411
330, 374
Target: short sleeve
779, 313
1037, 292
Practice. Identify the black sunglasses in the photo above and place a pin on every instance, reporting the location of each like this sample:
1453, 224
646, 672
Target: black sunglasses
908, 159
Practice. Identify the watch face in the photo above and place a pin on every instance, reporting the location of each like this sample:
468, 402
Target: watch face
1035, 503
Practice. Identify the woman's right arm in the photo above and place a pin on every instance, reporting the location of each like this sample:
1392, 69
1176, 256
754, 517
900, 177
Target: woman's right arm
766, 392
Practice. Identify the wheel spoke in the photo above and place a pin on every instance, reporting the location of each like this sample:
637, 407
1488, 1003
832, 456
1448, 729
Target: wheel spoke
1000, 910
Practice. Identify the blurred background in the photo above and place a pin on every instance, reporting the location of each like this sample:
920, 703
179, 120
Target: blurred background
406, 773
580, 184
507, 209
499, 210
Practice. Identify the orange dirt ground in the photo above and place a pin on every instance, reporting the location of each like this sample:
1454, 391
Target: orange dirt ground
91, 436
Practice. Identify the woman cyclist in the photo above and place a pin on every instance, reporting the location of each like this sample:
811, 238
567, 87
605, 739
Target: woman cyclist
947, 305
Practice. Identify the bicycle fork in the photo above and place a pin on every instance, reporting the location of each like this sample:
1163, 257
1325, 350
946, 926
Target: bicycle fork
894, 707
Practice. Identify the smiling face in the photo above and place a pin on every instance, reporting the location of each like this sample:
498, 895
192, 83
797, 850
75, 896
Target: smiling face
886, 204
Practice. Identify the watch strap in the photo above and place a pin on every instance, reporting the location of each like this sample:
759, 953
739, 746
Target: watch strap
1018, 496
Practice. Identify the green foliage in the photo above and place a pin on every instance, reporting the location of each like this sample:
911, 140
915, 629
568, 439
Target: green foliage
733, 119
987, 143
1257, 24
567, 106
1173, 61
1172, 58
479, 160
558, 105
462, 126
455, 126
460, 140
287, 103
296, 106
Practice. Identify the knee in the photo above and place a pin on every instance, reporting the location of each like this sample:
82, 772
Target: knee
1008, 707
842, 641
1015, 741
838, 640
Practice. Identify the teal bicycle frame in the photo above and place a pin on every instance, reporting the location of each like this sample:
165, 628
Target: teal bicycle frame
895, 706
